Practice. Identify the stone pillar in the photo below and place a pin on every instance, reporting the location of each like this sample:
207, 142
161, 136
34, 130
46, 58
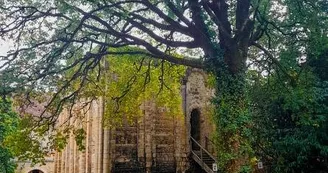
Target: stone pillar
152, 131
62, 165
106, 161
82, 155
141, 136
177, 142
181, 144
112, 146
88, 142
149, 130
60, 154
77, 125
187, 116
82, 159
75, 157
70, 145
56, 162
100, 141
106, 151
94, 139
67, 150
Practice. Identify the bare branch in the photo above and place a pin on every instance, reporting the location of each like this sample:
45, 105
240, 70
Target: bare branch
271, 57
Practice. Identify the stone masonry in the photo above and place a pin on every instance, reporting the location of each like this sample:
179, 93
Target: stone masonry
153, 143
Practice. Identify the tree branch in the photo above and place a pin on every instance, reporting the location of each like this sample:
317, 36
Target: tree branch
271, 57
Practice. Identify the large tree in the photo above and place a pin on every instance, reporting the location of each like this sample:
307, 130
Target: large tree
52, 37
290, 116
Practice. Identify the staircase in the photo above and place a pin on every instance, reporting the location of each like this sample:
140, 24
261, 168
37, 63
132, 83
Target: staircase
202, 156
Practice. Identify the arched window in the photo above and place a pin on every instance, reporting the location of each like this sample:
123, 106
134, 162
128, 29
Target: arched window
36, 171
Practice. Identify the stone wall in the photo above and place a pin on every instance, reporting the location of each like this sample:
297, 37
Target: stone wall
26, 167
198, 97
153, 143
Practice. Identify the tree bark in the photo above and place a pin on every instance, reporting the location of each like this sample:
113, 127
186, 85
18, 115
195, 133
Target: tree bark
231, 106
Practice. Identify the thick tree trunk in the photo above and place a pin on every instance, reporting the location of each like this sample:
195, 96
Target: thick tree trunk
238, 107
231, 108
235, 57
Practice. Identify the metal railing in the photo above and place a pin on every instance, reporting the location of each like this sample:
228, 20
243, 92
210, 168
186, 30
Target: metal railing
199, 153
210, 146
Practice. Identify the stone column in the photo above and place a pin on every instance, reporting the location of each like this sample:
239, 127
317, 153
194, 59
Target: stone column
63, 151
101, 135
181, 144
106, 142
82, 155
60, 154
67, 150
62, 161
112, 145
70, 162
106, 152
56, 162
177, 144
77, 125
149, 130
82, 163
75, 157
88, 142
141, 136
94, 139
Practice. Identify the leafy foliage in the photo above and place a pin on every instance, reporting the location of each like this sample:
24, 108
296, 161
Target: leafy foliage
60, 47
130, 81
290, 114
29, 143
232, 119
8, 125
126, 82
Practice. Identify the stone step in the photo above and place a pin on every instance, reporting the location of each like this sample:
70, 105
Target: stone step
206, 160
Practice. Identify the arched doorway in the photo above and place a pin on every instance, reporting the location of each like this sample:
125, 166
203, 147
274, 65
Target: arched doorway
195, 127
36, 171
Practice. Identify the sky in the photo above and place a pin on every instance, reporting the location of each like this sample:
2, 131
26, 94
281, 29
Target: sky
4, 47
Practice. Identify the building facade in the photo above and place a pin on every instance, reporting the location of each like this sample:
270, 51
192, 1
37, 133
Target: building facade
152, 143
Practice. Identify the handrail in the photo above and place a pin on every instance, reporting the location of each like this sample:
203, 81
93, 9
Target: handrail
202, 163
209, 143
209, 139
202, 148
196, 155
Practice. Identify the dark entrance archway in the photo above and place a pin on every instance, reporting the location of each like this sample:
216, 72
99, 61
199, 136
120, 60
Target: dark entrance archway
36, 171
195, 127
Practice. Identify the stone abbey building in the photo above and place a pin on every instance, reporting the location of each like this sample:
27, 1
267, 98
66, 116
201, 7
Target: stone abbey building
154, 143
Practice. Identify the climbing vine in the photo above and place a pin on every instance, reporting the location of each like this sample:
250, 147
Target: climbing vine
231, 116
8, 126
